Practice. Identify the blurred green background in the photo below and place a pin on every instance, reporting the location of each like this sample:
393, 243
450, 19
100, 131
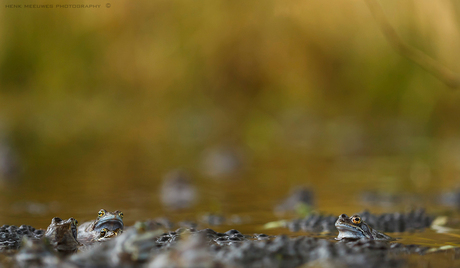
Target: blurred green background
97, 105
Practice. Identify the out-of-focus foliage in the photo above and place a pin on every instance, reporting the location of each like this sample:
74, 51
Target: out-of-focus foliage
138, 89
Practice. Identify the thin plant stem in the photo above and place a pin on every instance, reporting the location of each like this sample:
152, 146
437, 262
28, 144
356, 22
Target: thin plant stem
441, 72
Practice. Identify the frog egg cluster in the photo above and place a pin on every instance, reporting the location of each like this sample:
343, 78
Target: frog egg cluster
387, 222
11, 236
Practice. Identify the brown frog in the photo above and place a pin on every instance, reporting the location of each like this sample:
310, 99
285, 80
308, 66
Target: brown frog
106, 226
62, 234
355, 228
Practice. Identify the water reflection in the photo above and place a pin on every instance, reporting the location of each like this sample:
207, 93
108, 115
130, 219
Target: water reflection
177, 190
10, 166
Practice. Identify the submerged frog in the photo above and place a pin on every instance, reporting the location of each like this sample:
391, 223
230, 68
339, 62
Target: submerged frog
106, 226
63, 234
355, 228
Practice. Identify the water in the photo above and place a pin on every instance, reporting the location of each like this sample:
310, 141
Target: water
250, 199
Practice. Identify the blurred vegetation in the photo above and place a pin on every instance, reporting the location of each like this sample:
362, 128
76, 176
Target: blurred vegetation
126, 93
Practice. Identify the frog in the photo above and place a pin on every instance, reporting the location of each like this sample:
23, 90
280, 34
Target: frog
136, 245
355, 228
62, 235
139, 242
106, 226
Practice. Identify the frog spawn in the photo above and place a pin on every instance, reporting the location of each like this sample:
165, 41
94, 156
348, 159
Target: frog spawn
388, 222
146, 244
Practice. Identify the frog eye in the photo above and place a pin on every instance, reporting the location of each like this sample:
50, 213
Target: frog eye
356, 220
103, 232
120, 214
75, 222
101, 213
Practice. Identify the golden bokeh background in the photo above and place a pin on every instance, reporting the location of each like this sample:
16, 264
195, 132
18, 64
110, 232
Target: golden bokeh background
97, 104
